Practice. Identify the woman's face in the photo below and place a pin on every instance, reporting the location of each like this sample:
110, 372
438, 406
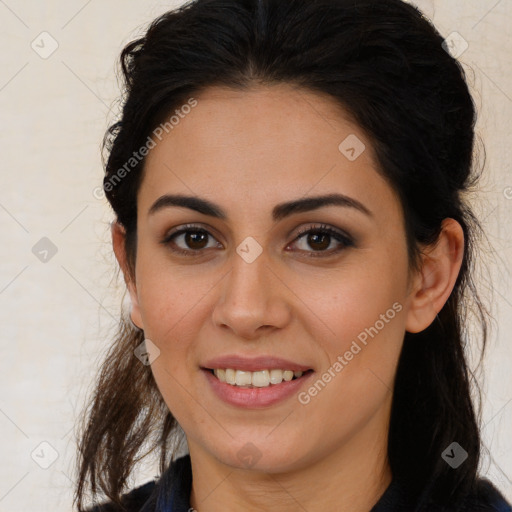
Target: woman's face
243, 283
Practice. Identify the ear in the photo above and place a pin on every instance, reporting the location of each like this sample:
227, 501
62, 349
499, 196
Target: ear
434, 282
118, 244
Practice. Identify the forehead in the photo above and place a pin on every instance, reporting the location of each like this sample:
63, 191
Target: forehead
262, 145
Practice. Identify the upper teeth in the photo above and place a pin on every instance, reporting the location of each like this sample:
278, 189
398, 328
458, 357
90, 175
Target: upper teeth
260, 379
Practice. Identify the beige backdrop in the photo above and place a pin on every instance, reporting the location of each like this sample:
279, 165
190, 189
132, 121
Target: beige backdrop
57, 301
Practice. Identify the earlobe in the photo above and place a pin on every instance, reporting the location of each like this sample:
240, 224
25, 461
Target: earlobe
435, 281
119, 247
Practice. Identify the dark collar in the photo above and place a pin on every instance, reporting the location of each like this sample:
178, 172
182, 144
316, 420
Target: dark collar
172, 494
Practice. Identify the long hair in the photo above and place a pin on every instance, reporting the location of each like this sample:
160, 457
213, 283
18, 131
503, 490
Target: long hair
387, 66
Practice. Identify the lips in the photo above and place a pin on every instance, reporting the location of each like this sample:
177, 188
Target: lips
255, 397
254, 364
264, 394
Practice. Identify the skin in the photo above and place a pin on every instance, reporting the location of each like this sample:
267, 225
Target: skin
247, 151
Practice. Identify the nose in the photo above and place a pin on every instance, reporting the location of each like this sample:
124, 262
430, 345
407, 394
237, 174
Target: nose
252, 300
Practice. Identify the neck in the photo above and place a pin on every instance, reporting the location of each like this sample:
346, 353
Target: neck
350, 477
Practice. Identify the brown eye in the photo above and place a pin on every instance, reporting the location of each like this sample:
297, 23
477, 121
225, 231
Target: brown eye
195, 239
319, 241
188, 240
321, 238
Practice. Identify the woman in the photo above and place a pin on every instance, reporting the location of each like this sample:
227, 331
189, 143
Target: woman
287, 179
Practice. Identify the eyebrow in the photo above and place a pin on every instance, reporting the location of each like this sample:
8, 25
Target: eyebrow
279, 211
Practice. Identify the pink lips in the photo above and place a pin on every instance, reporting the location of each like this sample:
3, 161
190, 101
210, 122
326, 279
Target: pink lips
254, 398
254, 364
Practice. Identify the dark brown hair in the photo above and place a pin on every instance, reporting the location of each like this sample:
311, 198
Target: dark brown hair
386, 65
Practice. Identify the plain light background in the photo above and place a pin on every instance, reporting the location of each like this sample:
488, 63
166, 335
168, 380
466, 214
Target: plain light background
57, 316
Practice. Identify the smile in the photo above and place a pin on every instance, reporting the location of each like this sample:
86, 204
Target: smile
250, 396
259, 379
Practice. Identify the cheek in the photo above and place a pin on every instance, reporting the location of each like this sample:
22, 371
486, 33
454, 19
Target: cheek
367, 320
168, 295
170, 302
355, 298
363, 308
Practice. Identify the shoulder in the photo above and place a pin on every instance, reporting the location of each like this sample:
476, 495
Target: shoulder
133, 501
170, 492
485, 498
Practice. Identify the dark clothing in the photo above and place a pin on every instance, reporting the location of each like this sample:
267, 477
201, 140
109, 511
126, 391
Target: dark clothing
160, 497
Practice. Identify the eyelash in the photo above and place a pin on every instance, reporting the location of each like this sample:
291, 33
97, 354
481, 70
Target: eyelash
345, 240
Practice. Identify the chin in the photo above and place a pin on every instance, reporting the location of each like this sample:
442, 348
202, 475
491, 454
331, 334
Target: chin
265, 456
